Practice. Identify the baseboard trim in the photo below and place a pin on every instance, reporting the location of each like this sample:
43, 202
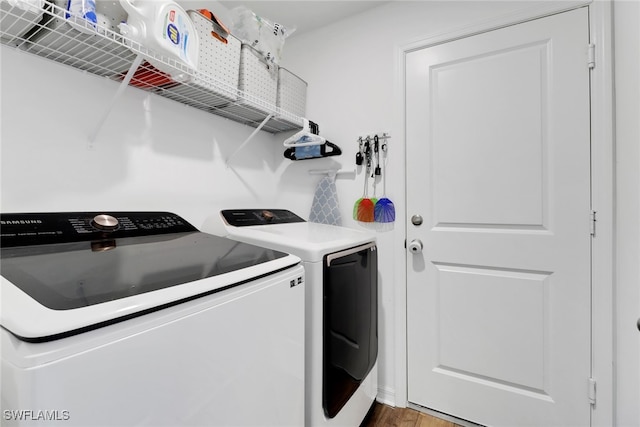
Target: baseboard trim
442, 416
387, 396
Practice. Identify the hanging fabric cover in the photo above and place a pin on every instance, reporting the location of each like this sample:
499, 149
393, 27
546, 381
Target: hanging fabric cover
325, 208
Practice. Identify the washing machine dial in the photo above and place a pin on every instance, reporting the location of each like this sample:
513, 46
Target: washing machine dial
267, 215
105, 222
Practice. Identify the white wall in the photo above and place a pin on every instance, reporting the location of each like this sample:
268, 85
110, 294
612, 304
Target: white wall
351, 70
151, 154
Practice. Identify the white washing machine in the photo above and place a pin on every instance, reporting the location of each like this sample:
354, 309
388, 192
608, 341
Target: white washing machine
140, 319
341, 308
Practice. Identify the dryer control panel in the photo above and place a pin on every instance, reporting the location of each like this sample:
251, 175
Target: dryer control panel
247, 217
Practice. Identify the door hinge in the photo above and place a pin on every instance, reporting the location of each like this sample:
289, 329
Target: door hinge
591, 55
593, 223
592, 391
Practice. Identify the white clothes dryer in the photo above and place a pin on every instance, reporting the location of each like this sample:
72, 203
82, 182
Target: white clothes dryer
341, 309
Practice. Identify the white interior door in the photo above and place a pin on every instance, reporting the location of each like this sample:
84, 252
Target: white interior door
498, 155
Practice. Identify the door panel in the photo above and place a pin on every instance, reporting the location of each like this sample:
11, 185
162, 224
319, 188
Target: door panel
472, 308
483, 195
498, 154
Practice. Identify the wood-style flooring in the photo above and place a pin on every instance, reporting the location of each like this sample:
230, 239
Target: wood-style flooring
386, 416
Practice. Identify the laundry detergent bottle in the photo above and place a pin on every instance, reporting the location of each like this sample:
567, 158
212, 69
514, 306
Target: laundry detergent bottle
79, 11
165, 28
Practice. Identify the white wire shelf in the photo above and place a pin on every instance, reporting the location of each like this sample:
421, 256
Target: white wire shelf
105, 52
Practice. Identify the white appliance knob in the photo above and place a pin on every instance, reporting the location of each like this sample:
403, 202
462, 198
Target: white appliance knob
105, 222
415, 246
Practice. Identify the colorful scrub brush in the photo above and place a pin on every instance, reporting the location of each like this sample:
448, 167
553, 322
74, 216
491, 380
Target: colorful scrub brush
384, 210
364, 208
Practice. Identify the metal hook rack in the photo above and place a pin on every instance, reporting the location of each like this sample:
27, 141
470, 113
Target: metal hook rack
365, 148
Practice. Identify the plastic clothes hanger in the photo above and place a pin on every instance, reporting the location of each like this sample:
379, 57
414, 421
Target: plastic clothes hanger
306, 144
324, 150
304, 138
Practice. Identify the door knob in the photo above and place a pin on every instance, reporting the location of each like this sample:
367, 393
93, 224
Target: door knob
415, 246
416, 220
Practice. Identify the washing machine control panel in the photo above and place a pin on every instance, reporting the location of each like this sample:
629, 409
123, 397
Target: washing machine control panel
247, 217
26, 229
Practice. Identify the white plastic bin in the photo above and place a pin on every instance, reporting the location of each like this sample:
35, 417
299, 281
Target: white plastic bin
15, 21
257, 80
292, 93
98, 53
216, 79
258, 85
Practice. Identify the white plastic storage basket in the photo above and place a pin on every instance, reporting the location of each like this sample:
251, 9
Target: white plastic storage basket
101, 54
216, 79
258, 84
15, 21
257, 79
292, 93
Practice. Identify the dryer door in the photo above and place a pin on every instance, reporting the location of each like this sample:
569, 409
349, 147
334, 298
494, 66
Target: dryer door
350, 323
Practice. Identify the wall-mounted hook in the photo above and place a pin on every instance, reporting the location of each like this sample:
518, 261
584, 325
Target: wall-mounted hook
376, 149
359, 156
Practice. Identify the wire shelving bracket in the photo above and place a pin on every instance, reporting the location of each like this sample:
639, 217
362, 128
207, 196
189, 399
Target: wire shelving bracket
246, 141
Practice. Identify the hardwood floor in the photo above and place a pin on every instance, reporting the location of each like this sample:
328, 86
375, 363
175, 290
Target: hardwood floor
386, 416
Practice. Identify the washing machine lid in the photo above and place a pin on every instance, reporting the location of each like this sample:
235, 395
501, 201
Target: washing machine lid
307, 240
62, 273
